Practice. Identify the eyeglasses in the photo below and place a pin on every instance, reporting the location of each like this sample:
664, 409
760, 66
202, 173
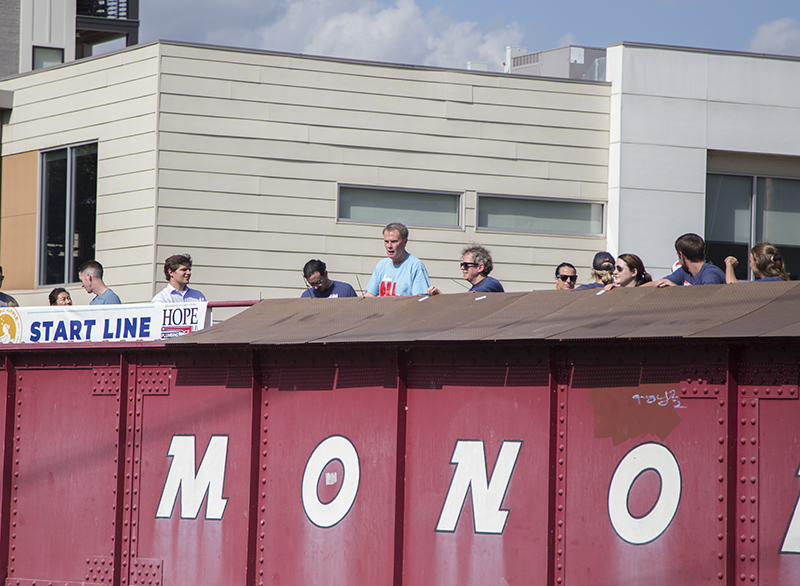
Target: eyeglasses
565, 278
619, 268
466, 265
315, 284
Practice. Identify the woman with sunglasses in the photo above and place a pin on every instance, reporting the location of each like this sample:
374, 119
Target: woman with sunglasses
765, 262
629, 272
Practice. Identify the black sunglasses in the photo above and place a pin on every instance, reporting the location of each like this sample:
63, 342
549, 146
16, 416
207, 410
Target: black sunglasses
466, 265
566, 278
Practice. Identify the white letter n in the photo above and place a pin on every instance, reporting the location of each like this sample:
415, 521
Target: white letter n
487, 497
210, 478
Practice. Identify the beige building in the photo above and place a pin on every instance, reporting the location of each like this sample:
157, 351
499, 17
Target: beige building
255, 162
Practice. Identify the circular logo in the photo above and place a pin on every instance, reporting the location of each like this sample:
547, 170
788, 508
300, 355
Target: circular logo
10, 326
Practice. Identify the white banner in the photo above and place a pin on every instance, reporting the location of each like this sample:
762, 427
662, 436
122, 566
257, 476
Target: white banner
98, 323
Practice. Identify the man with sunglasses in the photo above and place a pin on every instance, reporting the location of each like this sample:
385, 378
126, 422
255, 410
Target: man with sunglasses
315, 273
475, 266
566, 276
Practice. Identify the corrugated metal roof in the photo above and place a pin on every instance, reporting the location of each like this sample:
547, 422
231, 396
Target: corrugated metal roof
745, 310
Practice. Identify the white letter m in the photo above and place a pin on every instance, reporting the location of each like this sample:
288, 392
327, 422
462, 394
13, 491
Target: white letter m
210, 478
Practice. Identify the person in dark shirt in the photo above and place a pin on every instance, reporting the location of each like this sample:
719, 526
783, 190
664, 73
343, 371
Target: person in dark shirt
315, 273
602, 271
694, 269
765, 262
476, 264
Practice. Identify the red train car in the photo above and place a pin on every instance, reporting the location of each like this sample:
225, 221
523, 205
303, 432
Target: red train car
636, 437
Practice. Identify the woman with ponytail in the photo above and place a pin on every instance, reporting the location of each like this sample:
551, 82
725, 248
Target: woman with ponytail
765, 262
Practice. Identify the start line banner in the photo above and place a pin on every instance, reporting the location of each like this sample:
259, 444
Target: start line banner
98, 323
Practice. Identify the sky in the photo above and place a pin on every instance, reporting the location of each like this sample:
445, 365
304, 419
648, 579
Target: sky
449, 33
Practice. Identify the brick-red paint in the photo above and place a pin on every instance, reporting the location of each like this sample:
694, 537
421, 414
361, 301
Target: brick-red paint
88, 432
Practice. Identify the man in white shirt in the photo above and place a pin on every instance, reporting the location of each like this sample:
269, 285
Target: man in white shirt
178, 270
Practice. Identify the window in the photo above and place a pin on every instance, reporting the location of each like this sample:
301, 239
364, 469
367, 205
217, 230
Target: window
539, 215
47, 57
381, 206
68, 212
742, 210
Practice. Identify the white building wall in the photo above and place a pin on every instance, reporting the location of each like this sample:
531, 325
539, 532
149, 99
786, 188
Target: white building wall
111, 100
669, 107
253, 147
236, 158
46, 23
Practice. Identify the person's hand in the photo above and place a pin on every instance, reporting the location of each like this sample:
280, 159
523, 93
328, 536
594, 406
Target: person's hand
663, 283
731, 261
610, 286
433, 290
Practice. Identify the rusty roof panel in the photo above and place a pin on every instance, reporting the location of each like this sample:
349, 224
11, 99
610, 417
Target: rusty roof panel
745, 310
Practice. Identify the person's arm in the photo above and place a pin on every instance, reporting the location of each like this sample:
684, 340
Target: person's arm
676, 277
731, 263
373, 287
419, 280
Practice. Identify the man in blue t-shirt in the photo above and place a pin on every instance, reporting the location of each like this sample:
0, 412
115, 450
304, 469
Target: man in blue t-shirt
315, 273
476, 264
91, 275
694, 269
400, 273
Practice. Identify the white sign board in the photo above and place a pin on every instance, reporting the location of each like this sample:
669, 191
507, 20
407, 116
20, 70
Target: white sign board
98, 323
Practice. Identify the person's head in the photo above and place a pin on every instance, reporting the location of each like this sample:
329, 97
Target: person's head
566, 276
60, 296
178, 270
315, 273
395, 238
629, 271
476, 263
766, 261
603, 267
690, 247
91, 275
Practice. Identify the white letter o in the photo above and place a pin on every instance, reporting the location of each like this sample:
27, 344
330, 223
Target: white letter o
340, 448
649, 456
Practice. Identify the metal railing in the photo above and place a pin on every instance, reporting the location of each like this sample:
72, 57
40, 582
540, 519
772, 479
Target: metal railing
116, 9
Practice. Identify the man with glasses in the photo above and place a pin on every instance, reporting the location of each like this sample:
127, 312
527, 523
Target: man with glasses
315, 272
5, 299
475, 268
566, 276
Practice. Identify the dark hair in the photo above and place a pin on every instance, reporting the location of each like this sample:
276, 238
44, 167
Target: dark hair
176, 261
93, 267
55, 293
566, 264
768, 261
481, 256
397, 226
314, 266
634, 262
692, 247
